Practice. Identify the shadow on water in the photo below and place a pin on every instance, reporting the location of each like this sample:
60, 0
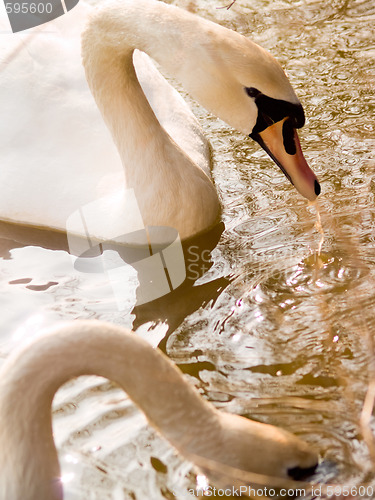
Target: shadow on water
189, 296
171, 308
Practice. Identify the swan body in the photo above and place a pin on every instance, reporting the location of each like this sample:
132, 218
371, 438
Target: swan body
29, 467
57, 155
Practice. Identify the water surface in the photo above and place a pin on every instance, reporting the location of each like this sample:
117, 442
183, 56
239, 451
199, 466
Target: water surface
270, 329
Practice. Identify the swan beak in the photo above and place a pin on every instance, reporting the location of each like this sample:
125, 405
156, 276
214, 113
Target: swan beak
280, 141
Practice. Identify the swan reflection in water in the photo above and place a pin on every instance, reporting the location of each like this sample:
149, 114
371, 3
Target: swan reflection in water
171, 308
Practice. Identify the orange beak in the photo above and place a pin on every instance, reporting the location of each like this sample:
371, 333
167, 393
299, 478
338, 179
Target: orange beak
281, 142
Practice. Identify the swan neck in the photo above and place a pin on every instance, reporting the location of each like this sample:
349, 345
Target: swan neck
108, 44
170, 188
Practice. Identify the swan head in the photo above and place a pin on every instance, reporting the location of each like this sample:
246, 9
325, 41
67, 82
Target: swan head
276, 132
241, 83
231, 76
264, 449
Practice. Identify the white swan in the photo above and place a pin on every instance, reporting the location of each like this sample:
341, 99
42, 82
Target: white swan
29, 467
56, 155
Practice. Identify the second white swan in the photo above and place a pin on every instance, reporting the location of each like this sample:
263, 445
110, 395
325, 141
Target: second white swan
29, 468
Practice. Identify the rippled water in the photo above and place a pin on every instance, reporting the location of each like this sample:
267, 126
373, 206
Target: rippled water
271, 329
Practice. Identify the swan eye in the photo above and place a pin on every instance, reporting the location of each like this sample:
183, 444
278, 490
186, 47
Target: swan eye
252, 92
272, 110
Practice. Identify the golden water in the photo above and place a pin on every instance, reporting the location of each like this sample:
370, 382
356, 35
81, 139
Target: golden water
280, 325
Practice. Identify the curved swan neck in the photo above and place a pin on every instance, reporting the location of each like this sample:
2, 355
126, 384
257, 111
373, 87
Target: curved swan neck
108, 43
30, 380
162, 31
168, 185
